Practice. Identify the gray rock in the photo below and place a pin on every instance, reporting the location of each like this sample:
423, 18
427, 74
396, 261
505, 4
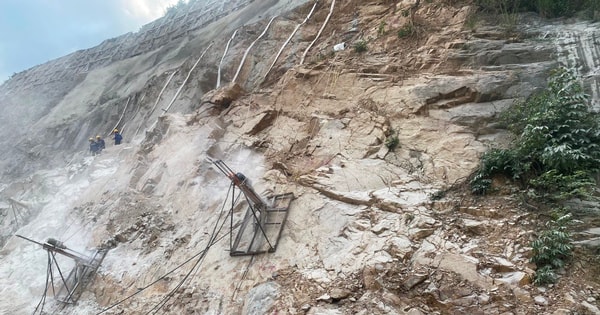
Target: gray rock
522, 295
591, 308
414, 280
500, 264
415, 311
260, 299
338, 294
325, 297
540, 300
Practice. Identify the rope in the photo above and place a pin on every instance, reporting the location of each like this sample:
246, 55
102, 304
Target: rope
237, 289
211, 242
187, 77
120, 118
157, 280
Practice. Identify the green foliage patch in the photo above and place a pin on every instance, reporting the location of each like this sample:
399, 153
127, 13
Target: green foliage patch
361, 46
555, 157
405, 31
546, 8
557, 147
552, 249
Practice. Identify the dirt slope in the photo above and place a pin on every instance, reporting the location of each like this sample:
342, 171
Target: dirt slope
372, 230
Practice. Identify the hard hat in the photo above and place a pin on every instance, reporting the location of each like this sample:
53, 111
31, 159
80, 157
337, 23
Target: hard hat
97, 137
116, 130
91, 139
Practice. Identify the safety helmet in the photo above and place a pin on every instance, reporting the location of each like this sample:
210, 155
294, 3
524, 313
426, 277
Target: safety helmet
91, 139
116, 130
97, 137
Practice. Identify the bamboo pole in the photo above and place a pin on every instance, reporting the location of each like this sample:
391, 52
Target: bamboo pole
319, 33
156, 102
250, 47
186, 78
290, 38
161, 92
222, 58
120, 118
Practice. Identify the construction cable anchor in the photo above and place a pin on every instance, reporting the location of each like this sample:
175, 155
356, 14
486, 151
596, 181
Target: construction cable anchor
261, 226
70, 286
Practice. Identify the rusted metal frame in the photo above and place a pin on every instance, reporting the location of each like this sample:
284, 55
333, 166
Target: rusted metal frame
258, 219
51, 274
287, 211
60, 273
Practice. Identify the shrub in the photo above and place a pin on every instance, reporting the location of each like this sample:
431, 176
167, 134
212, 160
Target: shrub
544, 275
552, 249
547, 8
392, 142
405, 31
553, 186
557, 146
360, 46
381, 30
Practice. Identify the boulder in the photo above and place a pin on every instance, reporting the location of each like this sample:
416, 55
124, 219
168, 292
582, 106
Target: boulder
260, 298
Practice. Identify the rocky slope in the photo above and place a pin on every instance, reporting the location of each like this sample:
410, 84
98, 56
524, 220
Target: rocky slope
371, 231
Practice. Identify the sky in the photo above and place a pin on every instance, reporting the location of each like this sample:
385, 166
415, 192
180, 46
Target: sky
33, 32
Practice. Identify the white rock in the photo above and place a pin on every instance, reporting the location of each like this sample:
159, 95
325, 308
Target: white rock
540, 300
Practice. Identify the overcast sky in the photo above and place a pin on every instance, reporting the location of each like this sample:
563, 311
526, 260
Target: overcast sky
35, 31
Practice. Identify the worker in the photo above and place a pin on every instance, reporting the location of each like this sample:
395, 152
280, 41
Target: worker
93, 146
101, 143
117, 137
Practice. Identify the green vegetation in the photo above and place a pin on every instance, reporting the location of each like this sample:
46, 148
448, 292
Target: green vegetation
557, 147
360, 46
554, 157
381, 30
392, 142
551, 249
546, 8
405, 31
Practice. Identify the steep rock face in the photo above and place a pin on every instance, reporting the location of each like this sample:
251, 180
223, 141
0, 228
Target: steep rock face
372, 230
85, 93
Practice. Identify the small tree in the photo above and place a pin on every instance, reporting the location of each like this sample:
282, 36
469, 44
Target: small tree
361, 46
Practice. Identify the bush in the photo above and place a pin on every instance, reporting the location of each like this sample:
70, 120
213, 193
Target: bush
360, 46
381, 29
553, 186
557, 146
555, 155
547, 8
405, 31
544, 275
552, 249
392, 142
